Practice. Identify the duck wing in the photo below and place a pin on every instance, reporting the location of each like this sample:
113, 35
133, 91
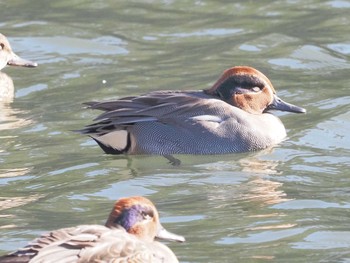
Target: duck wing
162, 106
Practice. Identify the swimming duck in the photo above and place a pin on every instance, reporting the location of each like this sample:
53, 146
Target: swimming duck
8, 57
128, 236
231, 116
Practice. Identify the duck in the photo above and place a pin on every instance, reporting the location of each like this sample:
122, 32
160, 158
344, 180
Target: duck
9, 58
127, 236
234, 115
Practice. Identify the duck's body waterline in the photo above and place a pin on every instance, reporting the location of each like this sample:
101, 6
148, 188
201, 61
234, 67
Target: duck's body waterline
230, 117
202, 129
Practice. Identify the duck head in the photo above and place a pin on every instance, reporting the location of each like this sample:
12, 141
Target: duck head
8, 57
250, 90
139, 217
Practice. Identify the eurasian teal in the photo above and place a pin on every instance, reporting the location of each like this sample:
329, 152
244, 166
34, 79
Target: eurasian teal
231, 116
8, 57
128, 236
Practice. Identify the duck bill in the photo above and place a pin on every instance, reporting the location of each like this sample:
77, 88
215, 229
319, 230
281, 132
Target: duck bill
20, 62
166, 235
279, 104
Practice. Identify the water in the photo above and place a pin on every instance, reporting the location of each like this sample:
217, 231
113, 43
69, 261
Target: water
285, 204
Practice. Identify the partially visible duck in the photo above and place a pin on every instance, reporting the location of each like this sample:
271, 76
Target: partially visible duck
128, 236
231, 116
8, 57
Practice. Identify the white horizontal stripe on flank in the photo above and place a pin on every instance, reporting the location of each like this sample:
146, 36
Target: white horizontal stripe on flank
211, 118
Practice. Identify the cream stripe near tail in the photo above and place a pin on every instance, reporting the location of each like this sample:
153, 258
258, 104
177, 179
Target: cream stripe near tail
115, 139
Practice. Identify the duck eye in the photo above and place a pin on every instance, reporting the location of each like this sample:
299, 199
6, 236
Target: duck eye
256, 89
147, 215
2, 46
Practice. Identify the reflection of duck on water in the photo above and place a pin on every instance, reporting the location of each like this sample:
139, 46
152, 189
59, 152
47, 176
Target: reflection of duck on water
253, 181
8, 57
